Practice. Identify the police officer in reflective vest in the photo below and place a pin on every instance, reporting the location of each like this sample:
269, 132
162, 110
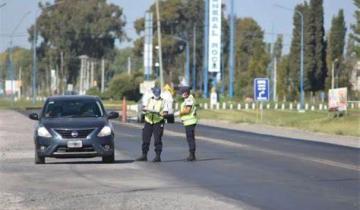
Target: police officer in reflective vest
154, 125
189, 119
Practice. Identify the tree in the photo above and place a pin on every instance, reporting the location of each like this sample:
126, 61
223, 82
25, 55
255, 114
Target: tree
335, 49
283, 84
278, 46
294, 57
125, 85
355, 35
178, 18
69, 29
319, 70
252, 59
21, 63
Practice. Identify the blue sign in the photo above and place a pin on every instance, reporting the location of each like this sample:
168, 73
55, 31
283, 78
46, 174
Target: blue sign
261, 89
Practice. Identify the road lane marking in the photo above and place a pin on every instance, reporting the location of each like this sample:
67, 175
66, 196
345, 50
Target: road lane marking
254, 148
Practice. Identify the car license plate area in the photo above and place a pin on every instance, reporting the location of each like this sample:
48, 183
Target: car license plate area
74, 144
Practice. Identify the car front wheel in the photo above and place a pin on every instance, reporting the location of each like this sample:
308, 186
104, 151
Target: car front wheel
108, 159
39, 159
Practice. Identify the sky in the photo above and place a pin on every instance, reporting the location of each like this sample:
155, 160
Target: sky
272, 19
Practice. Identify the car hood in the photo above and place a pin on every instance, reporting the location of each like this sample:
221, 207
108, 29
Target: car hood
74, 122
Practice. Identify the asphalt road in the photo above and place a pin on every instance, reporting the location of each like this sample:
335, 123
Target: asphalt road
235, 170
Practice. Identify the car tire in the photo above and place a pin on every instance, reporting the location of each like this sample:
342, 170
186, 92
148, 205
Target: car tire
108, 159
39, 159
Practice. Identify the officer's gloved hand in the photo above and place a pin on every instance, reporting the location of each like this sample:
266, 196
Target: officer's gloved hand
177, 114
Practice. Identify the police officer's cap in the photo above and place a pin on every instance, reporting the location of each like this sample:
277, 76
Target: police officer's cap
156, 91
184, 89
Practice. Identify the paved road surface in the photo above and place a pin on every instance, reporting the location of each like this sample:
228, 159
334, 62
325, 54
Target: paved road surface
236, 170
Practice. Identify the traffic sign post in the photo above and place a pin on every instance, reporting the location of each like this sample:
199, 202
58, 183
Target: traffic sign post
261, 91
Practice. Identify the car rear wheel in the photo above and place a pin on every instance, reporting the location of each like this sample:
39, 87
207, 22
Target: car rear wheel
39, 159
108, 159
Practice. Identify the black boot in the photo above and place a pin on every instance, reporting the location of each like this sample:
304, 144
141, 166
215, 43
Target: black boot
191, 157
143, 157
157, 158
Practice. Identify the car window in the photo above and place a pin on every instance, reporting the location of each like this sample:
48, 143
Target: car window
73, 109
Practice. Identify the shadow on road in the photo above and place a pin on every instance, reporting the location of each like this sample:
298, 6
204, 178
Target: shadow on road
91, 162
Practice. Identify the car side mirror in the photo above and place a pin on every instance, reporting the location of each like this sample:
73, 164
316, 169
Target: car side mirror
34, 116
113, 115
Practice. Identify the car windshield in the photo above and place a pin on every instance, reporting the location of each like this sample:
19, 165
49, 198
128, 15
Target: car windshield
73, 109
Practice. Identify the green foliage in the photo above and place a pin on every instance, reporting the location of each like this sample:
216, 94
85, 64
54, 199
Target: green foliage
94, 91
178, 18
252, 58
22, 62
73, 28
124, 85
335, 50
314, 47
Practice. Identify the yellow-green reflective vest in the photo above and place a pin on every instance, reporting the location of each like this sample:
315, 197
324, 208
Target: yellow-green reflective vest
156, 106
189, 119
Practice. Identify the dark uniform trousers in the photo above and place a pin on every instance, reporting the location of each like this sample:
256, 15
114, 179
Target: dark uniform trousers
157, 130
190, 137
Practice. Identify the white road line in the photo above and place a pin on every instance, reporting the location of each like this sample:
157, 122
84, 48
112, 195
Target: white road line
254, 148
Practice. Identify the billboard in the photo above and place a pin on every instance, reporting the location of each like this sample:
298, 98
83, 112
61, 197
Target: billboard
338, 99
214, 36
12, 87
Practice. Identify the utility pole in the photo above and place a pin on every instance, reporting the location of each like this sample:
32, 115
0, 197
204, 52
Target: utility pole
62, 72
159, 44
275, 79
92, 73
20, 85
194, 59
231, 51
333, 74
187, 69
33, 79
11, 51
206, 49
102, 75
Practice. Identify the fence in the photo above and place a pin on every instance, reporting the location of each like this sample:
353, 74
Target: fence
270, 106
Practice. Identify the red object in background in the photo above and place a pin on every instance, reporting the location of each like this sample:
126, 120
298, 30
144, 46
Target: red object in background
124, 111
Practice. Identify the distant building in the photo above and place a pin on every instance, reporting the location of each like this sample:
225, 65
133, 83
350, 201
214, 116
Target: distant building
355, 77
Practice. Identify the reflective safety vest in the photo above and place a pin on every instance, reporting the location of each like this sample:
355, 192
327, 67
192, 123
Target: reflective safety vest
189, 119
155, 106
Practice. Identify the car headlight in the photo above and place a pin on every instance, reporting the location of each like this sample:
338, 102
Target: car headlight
105, 131
43, 132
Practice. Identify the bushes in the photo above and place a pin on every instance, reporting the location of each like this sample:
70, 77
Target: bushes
125, 85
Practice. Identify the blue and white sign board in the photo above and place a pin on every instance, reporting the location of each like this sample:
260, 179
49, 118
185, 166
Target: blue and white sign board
261, 89
214, 56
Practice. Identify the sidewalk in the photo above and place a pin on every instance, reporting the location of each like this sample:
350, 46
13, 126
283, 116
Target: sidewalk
349, 141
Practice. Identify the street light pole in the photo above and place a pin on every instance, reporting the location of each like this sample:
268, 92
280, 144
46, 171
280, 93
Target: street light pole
159, 44
231, 53
187, 58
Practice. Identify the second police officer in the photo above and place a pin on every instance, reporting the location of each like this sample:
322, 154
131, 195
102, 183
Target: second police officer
189, 119
155, 110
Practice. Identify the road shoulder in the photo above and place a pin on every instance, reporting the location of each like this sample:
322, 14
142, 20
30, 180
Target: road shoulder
348, 141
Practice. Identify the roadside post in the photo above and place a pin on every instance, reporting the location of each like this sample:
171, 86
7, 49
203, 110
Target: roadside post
124, 111
261, 92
